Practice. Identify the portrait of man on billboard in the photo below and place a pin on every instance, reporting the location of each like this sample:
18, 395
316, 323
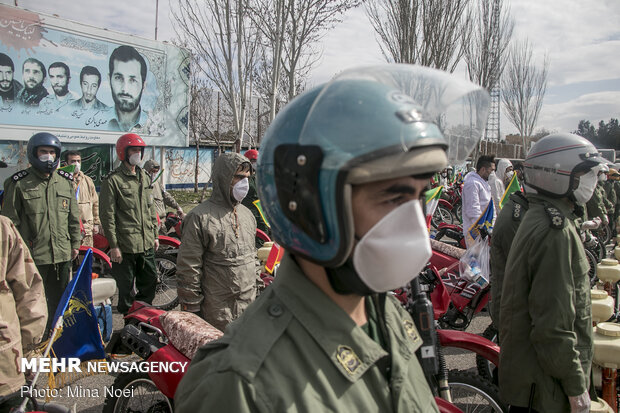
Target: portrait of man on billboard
90, 80
9, 87
59, 75
33, 75
127, 81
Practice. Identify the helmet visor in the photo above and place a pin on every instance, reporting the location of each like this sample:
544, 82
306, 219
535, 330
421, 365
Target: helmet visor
375, 111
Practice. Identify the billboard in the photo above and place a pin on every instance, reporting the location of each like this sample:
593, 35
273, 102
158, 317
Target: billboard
89, 85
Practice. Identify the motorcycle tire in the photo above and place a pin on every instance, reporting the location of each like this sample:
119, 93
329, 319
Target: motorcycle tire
472, 393
442, 214
166, 297
604, 232
486, 369
592, 262
135, 392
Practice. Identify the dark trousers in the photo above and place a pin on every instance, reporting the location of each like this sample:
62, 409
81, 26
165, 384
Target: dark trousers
55, 280
139, 268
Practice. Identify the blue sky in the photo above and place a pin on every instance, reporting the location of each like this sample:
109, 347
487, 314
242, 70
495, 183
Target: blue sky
582, 40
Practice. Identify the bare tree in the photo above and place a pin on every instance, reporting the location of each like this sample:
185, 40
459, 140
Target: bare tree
201, 118
224, 40
426, 32
485, 53
523, 88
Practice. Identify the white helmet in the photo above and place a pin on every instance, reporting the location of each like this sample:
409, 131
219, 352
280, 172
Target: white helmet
553, 161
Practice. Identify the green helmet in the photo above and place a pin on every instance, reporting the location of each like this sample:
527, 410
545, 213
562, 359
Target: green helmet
365, 125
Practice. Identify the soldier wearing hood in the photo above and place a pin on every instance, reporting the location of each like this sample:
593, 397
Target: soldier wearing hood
500, 180
216, 267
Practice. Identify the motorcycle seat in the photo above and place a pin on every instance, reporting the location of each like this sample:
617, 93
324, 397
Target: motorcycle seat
187, 332
450, 250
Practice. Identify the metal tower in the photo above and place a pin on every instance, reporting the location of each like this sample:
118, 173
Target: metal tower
492, 132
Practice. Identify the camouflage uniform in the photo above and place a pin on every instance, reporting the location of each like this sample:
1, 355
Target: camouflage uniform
88, 201
23, 312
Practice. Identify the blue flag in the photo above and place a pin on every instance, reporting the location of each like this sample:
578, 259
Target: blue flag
79, 335
484, 221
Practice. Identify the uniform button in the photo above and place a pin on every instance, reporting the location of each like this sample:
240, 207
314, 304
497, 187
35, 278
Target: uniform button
275, 310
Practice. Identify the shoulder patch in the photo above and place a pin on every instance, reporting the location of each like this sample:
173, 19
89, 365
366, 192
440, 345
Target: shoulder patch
555, 216
19, 175
66, 175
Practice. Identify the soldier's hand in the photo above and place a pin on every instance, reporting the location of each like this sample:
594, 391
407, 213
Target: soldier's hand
95, 229
156, 244
115, 255
74, 254
180, 213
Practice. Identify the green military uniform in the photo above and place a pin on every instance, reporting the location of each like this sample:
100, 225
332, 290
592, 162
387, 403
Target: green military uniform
277, 357
46, 213
504, 230
616, 185
546, 322
597, 205
611, 196
248, 201
129, 223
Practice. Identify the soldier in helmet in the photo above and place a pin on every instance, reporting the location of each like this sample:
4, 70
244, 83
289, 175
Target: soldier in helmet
546, 322
341, 173
41, 203
129, 223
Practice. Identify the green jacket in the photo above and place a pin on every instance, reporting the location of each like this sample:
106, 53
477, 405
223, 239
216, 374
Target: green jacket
216, 265
611, 195
546, 321
504, 230
596, 206
126, 210
295, 350
45, 212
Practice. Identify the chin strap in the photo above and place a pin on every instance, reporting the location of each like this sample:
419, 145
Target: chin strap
344, 280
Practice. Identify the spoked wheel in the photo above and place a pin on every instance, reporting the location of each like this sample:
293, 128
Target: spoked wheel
486, 369
442, 214
472, 393
458, 213
592, 262
136, 392
166, 297
604, 232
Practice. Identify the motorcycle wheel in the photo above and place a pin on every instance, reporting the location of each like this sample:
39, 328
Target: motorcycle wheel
592, 262
166, 297
458, 213
471, 393
139, 394
486, 369
604, 232
442, 214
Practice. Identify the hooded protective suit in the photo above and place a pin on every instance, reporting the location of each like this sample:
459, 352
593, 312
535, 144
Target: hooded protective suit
216, 266
496, 182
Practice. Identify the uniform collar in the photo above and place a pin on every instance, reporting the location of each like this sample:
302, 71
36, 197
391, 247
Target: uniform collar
560, 203
348, 347
128, 172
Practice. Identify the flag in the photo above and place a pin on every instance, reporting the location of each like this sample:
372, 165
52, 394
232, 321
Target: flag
274, 258
68, 168
260, 211
432, 200
485, 220
78, 335
513, 186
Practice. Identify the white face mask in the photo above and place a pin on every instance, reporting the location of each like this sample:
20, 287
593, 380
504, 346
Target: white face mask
240, 189
602, 178
587, 185
76, 167
48, 157
395, 250
135, 158
509, 175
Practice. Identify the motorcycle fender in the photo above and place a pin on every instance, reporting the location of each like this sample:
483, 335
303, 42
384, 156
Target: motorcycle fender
445, 203
472, 342
167, 382
97, 253
141, 312
166, 240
